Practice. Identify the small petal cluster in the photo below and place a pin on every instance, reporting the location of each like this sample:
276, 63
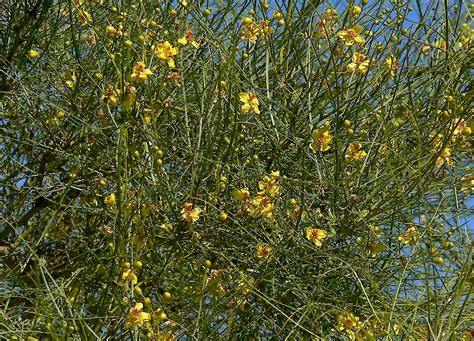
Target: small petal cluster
351, 36
354, 329
359, 64
410, 236
467, 33
129, 276
214, 282
110, 96
241, 194
188, 39
261, 206
263, 251
374, 246
460, 128
316, 236
166, 52
189, 213
391, 64
265, 28
355, 152
249, 102
252, 30
269, 185
442, 144
141, 72
349, 324
130, 95
110, 200
114, 32
326, 25
175, 78
136, 317
322, 138
251, 33
444, 157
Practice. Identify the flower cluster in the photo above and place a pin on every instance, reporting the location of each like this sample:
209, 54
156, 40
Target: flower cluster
249, 102
189, 213
322, 138
136, 317
253, 30
410, 236
316, 236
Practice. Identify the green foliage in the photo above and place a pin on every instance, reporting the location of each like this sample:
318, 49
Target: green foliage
250, 170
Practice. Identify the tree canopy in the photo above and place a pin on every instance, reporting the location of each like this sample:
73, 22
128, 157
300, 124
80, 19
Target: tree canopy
236, 169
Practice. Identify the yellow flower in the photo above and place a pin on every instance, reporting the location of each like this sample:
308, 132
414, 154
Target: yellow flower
275, 174
391, 64
71, 83
110, 96
467, 336
324, 29
130, 97
190, 213
347, 321
136, 317
352, 327
441, 44
187, 39
326, 25
374, 247
459, 126
330, 14
261, 206
268, 185
166, 52
140, 73
241, 194
33, 53
437, 141
263, 251
351, 36
214, 282
265, 29
175, 77
359, 63
355, 152
84, 17
244, 287
129, 275
444, 158
316, 235
110, 200
250, 102
410, 236
321, 138
251, 32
